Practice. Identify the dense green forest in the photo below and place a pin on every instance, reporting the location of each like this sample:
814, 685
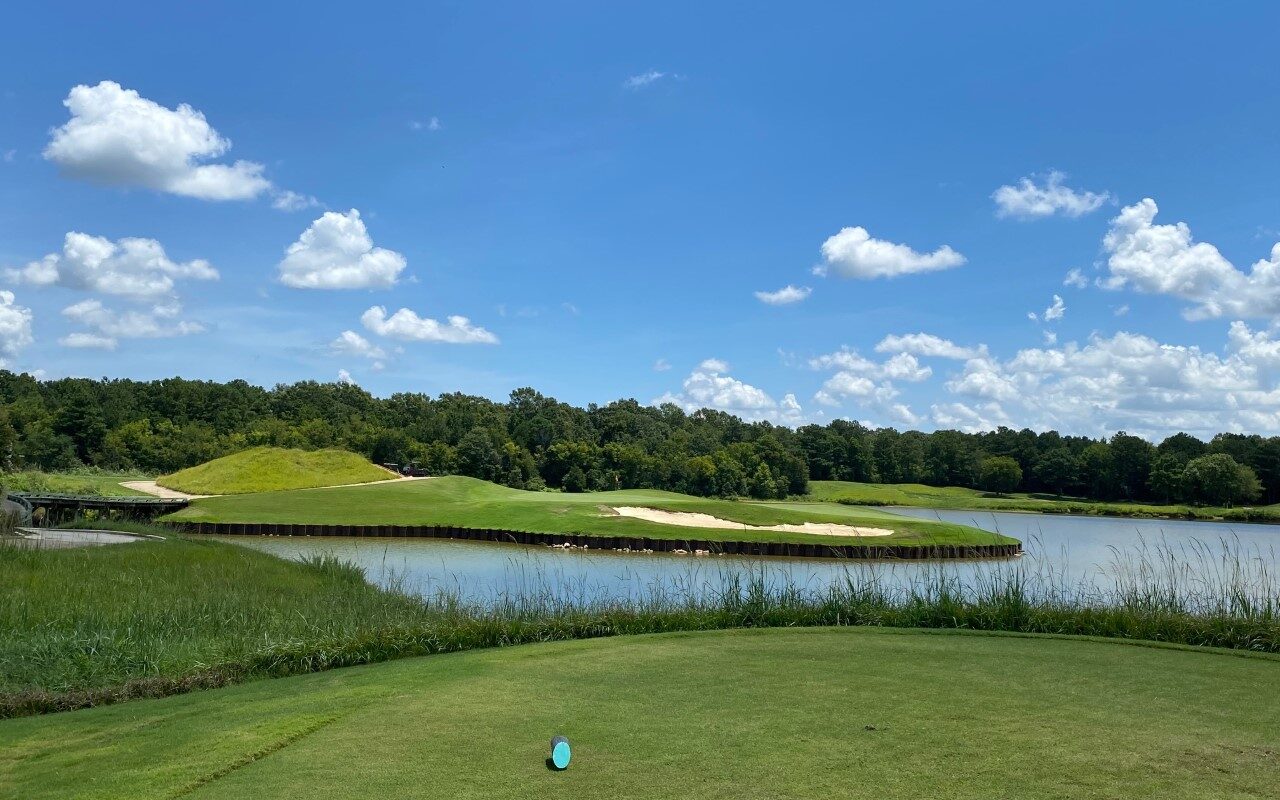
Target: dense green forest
532, 441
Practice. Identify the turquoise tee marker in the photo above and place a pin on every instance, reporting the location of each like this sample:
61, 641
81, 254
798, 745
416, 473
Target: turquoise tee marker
559, 752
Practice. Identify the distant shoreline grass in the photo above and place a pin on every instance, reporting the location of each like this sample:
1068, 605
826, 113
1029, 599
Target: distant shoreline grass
91, 482
910, 495
472, 503
100, 625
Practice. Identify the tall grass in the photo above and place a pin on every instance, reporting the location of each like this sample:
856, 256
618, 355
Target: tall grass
83, 627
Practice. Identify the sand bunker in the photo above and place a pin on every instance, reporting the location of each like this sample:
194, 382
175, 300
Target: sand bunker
692, 520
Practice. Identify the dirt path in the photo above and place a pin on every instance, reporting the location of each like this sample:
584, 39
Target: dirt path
152, 488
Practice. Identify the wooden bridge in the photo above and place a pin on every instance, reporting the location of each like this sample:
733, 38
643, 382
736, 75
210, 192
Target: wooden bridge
55, 508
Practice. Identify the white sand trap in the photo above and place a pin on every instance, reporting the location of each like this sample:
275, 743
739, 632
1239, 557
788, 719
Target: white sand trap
690, 519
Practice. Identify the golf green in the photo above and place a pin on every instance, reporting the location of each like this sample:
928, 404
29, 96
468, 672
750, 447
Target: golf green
850, 713
471, 503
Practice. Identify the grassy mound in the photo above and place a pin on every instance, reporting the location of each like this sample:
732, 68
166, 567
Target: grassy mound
271, 469
921, 496
468, 502
781, 713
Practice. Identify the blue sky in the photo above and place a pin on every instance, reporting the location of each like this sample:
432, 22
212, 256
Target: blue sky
603, 192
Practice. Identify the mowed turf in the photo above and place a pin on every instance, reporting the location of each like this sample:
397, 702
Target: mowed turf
850, 713
472, 503
267, 469
919, 495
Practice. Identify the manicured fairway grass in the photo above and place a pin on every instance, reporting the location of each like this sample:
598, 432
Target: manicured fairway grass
467, 502
267, 469
919, 495
852, 713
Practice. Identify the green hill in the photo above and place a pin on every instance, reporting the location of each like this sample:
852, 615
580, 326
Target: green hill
472, 503
270, 469
850, 713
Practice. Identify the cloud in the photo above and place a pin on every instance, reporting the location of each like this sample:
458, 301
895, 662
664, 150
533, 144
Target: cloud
407, 326
350, 343
1054, 312
15, 327
88, 340
116, 137
10, 155
970, 419
784, 296
644, 79
335, 252
661, 365
869, 384
926, 344
286, 200
432, 124
903, 366
852, 253
1076, 279
345, 377
1164, 259
137, 268
108, 325
1126, 381
1027, 200
710, 386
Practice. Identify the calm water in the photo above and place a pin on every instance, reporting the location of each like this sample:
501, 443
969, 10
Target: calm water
1061, 551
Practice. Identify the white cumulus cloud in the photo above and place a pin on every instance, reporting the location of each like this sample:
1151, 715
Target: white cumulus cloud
106, 325
1076, 279
784, 296
117, 137
1164, 259
853, 253
335, 252
1125, 381
1056, 310
928, 345
710, 386
15, 327
132, 267
286, 200
350, 343
407, 326
88, 340
1029, 200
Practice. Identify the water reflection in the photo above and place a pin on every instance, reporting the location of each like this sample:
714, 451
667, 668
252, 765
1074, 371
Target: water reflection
1069, 556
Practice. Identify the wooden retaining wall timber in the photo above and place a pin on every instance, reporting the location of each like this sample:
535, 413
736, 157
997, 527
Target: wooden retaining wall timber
912, 552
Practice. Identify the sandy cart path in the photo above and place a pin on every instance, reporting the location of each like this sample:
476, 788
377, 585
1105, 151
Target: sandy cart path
152, 488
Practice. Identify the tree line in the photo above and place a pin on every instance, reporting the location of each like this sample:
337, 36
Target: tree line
532, 441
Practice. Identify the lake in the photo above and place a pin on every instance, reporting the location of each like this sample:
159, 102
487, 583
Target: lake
1071, 556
